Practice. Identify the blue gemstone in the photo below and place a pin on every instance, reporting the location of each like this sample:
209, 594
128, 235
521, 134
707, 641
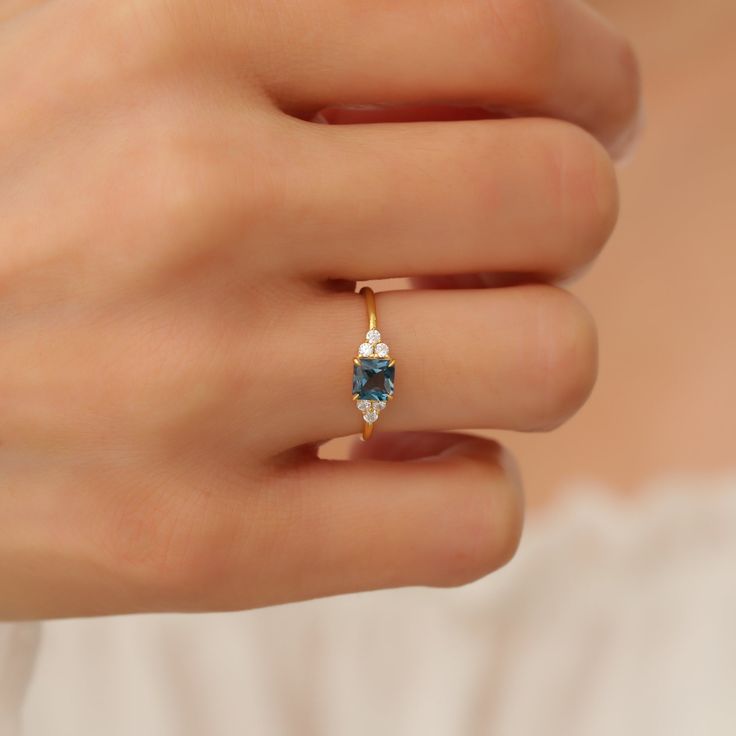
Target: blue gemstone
373, 379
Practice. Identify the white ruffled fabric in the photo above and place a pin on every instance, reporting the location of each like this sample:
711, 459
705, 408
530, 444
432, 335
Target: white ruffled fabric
615, 618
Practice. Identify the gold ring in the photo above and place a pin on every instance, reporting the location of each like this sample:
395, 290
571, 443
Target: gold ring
374, 370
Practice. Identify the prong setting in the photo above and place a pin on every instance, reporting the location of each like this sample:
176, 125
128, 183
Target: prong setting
373, 371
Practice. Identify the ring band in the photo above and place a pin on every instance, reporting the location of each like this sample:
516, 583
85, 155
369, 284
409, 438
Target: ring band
373, 370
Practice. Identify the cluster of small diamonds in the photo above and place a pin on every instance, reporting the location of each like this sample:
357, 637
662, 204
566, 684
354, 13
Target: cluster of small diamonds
370, 409
372, 348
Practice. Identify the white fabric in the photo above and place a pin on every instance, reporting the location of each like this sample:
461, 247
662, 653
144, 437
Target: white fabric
614, 619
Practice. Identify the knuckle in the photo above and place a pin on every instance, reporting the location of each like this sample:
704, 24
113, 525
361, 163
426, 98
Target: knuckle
153, 35
139, 40
583, 183
190, 558
564, 360
184, 179
176, 178
171, 548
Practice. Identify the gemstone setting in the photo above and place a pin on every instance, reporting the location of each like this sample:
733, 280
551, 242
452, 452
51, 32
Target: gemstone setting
373, 379
374, 371
370, 417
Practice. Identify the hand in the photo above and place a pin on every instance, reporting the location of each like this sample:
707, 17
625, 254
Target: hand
179, 250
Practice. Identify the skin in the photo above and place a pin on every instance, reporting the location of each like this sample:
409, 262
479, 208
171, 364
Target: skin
181, 243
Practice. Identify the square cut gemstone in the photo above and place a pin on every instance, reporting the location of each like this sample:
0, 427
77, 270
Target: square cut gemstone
373, 379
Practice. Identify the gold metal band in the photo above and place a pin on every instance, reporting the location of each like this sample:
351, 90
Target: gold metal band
373, 370
370, 307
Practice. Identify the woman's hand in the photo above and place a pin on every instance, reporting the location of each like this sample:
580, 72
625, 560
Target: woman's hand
177, 334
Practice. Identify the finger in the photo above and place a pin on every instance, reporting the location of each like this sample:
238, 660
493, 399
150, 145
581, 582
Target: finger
349, 526
520, 358
195, 540
547, 57
521, 196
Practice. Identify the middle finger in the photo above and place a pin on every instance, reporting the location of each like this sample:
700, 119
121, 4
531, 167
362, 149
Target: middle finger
414, 199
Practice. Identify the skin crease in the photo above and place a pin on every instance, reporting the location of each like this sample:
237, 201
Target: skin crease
179, 254
663, 292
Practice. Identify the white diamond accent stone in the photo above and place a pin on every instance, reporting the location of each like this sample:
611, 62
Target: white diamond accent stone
365, 350
363, 405
373, 336
381, 350
370, 417
379, 405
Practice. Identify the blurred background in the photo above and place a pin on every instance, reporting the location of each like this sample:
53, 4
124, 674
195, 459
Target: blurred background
664, 291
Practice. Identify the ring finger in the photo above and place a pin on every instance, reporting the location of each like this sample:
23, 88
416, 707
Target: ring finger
519, 358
